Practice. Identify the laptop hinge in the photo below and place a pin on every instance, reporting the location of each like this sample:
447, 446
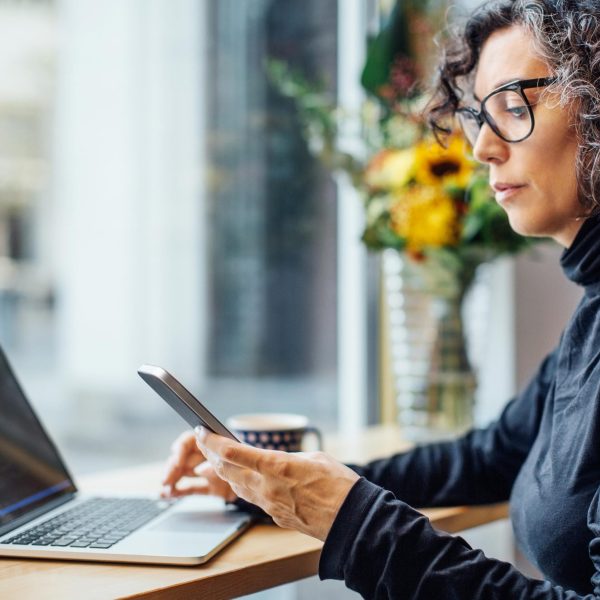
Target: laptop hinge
36, 512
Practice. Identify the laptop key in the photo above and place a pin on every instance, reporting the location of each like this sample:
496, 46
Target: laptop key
60, 543
101, 545
80, 544
108, 540
64, 541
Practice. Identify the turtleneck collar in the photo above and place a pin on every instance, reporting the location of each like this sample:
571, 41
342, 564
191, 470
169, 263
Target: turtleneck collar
581, 260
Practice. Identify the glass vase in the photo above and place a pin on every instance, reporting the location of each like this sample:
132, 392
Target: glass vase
434, 381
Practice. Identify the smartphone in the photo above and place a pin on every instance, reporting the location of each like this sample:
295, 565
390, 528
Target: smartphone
182, 401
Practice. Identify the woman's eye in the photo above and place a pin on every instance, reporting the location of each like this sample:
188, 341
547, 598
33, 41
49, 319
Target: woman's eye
517, 111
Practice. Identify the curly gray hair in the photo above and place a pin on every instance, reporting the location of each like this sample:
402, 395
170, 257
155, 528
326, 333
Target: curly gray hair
566, 34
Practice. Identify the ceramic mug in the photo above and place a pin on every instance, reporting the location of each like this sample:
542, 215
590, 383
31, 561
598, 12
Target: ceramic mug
274, 431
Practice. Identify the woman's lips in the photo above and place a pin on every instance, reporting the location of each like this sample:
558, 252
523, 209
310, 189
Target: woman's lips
504, 191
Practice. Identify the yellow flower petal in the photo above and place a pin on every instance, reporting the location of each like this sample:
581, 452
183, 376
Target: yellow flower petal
391, 169
425, 217
438, 166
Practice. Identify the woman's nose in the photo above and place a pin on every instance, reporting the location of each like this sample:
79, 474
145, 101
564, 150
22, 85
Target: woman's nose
488, 147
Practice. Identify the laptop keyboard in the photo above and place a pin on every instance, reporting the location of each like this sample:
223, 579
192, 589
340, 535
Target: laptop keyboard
95, 523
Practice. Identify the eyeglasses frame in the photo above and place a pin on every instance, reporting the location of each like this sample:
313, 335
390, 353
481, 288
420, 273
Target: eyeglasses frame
483, 117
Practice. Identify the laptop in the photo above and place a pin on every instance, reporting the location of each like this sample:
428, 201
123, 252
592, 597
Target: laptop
44, 515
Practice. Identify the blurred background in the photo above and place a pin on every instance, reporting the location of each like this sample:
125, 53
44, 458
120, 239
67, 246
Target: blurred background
158, 203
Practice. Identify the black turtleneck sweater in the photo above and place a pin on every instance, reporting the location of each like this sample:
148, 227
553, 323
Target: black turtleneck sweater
543, 454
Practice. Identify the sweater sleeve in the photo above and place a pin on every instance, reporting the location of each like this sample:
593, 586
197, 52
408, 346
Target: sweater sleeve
593, 519
384, 549
478, 468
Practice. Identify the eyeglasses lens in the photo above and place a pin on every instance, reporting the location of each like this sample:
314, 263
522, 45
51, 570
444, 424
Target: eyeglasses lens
470, 126
510, 114
506, 112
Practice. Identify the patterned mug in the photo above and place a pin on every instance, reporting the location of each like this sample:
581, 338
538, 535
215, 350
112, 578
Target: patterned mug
274, 431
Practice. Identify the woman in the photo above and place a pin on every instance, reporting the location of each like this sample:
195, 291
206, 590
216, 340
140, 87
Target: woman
523, 79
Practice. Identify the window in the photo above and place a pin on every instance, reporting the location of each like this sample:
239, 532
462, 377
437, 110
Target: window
158, 204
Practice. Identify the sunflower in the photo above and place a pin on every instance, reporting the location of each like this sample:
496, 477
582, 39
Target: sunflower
390, 169
425, 217
440, 166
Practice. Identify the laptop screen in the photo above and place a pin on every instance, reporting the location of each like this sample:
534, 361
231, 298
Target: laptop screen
31, 470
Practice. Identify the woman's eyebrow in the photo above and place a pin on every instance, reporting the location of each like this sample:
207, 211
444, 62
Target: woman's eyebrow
500, 84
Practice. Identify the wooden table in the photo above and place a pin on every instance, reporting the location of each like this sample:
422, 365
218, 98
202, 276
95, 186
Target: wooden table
265, 556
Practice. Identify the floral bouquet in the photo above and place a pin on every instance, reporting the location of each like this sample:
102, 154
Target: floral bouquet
430, 202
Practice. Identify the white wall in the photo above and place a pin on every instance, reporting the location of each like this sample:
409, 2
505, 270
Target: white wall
544, 299
490, 324
529, 303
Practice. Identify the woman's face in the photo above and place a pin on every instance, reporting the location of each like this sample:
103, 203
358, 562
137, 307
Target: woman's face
534, 180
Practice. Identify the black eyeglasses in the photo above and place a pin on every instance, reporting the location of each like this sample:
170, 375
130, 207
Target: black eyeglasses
506, 110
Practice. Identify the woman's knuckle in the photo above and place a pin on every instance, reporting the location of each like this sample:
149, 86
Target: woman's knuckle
266, 463
229, 453
286, 469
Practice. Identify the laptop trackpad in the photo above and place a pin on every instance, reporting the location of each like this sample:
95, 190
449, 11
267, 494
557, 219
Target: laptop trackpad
186, 531
188, 521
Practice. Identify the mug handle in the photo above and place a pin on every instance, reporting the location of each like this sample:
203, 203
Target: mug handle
317, 433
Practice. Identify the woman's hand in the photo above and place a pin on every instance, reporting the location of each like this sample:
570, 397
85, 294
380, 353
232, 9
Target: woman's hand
302, 491
186, 460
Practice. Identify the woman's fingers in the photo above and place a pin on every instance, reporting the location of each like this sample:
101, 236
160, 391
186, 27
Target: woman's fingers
230, 451
185, 457
241, 467
203, 479
243, 482
185, 444
216, 485
175, 471
197, 488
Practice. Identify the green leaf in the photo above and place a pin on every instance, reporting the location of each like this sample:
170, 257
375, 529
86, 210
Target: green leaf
472, 225
391, 41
